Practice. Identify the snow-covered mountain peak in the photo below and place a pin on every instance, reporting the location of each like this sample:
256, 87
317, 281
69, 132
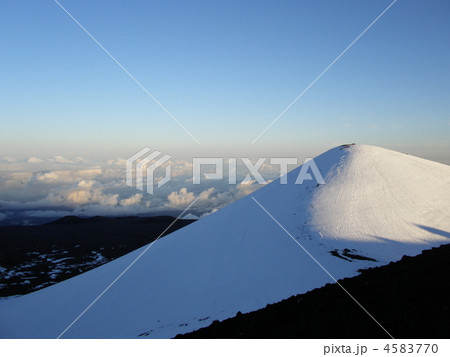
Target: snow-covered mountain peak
375, 206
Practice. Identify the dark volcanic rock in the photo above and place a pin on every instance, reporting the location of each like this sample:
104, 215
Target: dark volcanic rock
34, 257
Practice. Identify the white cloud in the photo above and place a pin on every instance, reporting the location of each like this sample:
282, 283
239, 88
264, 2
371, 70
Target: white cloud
210, 199
244, 189
81, 189
86, 184
181, 168
47, 176
67, 176
81, 159
79, 197
133, 200
89, 195
208, 213
205, 195
8, 159
113, 173
117, 162
34, 160
190, 216
60, 159
181, 198
2, 216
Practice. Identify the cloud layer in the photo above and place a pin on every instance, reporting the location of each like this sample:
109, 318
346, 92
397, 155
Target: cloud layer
59, 186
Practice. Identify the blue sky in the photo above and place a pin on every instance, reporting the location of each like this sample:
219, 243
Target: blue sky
225, 70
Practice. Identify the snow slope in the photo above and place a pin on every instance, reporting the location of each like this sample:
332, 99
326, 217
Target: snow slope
376, 203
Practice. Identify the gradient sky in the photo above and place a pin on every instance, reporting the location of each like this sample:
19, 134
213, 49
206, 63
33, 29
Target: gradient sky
225, 70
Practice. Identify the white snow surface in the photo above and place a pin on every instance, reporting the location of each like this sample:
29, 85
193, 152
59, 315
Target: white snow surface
380, 203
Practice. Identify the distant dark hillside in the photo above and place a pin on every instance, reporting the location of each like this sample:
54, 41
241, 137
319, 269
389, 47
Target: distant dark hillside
410, 298
33, 257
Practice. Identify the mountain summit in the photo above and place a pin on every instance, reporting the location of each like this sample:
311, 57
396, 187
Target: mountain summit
376, 205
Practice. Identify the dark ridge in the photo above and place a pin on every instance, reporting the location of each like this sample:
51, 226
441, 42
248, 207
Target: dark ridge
409, 298
67, 220
98, 219
34, 257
